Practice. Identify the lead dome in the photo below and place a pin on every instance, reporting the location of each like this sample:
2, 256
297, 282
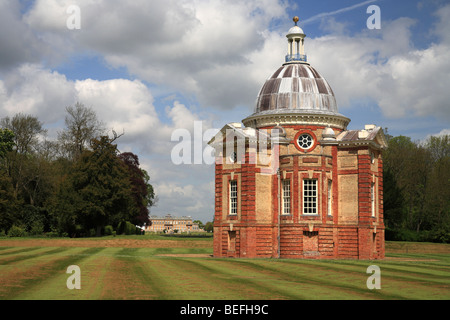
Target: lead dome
296, 87
294, 90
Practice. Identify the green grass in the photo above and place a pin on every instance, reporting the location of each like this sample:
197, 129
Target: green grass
148, 273
147, 236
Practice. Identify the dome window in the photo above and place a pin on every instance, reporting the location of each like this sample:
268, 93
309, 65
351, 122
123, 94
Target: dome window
305, 141
233, 157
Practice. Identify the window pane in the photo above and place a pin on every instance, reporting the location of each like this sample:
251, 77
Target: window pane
309, 196
286, 197
233, 197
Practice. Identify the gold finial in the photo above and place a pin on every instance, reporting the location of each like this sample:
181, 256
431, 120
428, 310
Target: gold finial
296, 19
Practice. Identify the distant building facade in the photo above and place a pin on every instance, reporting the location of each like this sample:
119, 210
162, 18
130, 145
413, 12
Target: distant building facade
292, 181
171, 224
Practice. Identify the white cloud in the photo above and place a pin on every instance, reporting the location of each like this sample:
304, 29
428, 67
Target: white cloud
385, 67
33, 90
443, 132
185, 200
199, 47
121, 103
18, 43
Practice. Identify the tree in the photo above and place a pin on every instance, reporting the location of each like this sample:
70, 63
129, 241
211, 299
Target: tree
409, 164
23, 162
437, 194
8, 203
64, 206
26, 129
209, 227
141, 190
417, 187
392, 201
6, 142
101, 181
151, 198
200, 224
82, 126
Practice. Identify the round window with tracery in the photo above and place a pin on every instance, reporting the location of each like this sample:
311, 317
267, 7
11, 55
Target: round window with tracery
305, 141
233, 157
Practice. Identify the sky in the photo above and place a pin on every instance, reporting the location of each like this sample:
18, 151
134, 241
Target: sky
152, 68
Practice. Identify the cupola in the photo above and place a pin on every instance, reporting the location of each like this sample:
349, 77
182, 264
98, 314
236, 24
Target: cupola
296, 93
296, 47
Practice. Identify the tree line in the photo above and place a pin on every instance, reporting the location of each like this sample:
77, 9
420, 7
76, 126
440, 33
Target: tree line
416, 186
81, 185
77, 185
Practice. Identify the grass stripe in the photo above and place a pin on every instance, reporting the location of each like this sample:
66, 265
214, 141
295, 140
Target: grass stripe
311, 283
124, 278
396, 284
32, 278
14, 250
18, 258
185, 277
242, 282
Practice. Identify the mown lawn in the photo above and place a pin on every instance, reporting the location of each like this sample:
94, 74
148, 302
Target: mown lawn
183, 272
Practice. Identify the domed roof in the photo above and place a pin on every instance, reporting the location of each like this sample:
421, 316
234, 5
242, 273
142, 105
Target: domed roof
296, 93
295, 30
296, 87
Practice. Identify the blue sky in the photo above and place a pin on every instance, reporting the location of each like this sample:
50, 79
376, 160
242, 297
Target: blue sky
151, 67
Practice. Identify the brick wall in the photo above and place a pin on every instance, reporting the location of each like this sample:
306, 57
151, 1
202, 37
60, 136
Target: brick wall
359, 235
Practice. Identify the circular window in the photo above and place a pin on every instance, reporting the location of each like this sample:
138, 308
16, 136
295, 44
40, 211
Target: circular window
233, 157
305, 141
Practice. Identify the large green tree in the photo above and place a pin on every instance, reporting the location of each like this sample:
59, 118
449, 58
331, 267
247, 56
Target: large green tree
416, 187
141, 190
8, 203
101, 181
437, 194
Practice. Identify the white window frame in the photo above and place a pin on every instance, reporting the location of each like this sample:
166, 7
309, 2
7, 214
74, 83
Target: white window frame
330, 198
233, 197
372, 198
305, 141
286, 189
310, 197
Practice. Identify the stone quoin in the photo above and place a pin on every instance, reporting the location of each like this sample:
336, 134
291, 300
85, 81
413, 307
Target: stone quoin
320, 195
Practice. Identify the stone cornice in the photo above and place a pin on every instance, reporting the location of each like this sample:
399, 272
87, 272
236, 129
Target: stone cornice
273, 119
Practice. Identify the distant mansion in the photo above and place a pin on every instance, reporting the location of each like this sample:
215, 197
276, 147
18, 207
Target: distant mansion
172, 224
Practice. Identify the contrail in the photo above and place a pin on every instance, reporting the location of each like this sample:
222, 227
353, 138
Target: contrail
326, 14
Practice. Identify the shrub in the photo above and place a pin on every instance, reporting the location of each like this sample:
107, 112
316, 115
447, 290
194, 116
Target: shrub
439, 235
37, 228
16, 231
52, 234
129, 228
108, 230
126, 227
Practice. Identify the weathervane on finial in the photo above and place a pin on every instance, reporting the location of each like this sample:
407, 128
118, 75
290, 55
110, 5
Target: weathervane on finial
296, 19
